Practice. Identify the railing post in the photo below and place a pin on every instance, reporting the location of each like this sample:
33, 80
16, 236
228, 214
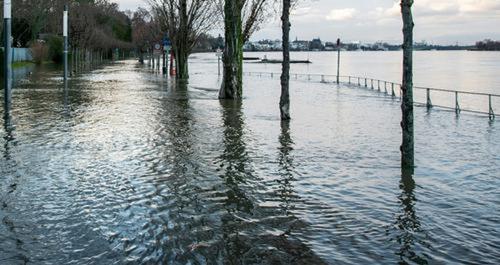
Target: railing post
295, 76
429, 102
385, 86
359, 83
309, 77
457, 105
322, 78
378, 84
366, 84
349, 80
393, 92
272, 75
371, 83
491, 113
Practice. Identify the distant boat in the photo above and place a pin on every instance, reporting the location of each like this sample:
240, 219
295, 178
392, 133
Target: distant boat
251, 58
281, 61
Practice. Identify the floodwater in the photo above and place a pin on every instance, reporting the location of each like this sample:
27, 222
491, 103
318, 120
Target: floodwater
469, 71
128, 168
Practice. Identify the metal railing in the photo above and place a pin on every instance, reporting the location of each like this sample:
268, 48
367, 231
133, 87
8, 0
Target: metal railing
393, 89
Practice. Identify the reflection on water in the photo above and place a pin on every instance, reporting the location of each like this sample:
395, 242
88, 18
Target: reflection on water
119, 166
408, 222
286, 169
234, 162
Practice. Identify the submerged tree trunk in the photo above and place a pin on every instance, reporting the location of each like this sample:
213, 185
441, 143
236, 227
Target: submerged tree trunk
232, 82
407, 147
285, 72
181, 49
181, 62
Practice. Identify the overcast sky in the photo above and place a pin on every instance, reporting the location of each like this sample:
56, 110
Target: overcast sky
437, 21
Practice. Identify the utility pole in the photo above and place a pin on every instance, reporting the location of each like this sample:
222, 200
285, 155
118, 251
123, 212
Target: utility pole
338, 61
65, 36
7, 19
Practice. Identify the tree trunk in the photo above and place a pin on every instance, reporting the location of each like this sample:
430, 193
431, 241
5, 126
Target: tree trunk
181, 52
141, 57
181, 61
407, 147
285, 72
232, 81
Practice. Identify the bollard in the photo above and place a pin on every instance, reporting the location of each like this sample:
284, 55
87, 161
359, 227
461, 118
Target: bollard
359, 83
491, 113
371, 83
366, 83
322, 79
338, 61
349, 80
309, 77
429, 102
378, 84
457, 105
392, 87
295, 76
385, 86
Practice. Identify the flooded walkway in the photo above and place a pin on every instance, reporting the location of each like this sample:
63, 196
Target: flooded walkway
127, 168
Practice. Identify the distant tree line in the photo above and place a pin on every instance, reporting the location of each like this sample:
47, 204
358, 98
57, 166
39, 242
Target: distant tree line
488, 45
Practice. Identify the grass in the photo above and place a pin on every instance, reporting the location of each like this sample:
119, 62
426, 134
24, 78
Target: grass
21, 64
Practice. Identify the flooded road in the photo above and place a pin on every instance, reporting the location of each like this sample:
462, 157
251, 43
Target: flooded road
128, 168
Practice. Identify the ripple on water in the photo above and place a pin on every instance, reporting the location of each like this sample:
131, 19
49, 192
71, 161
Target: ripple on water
129, 168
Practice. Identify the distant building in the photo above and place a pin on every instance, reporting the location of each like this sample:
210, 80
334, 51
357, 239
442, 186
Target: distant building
299, 45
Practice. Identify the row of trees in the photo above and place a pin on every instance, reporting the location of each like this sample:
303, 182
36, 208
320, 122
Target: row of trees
99, 25
94, 24
187, 20
488, 45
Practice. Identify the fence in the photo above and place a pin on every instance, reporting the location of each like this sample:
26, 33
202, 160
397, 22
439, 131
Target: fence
458, 101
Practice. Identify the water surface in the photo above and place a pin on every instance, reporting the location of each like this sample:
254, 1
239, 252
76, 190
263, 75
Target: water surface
126, 168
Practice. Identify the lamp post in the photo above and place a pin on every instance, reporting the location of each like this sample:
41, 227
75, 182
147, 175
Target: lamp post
218, 53
65, 36
7, 23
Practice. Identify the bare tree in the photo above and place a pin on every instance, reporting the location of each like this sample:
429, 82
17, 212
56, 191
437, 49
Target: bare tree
407, 147
145, 30
185, 21
241, 19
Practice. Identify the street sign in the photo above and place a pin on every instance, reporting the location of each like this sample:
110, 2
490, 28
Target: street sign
166, 42
157, 49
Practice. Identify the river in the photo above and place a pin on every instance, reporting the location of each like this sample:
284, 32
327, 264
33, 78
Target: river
125, 167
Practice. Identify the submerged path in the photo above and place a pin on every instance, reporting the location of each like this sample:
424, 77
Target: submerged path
129, 168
